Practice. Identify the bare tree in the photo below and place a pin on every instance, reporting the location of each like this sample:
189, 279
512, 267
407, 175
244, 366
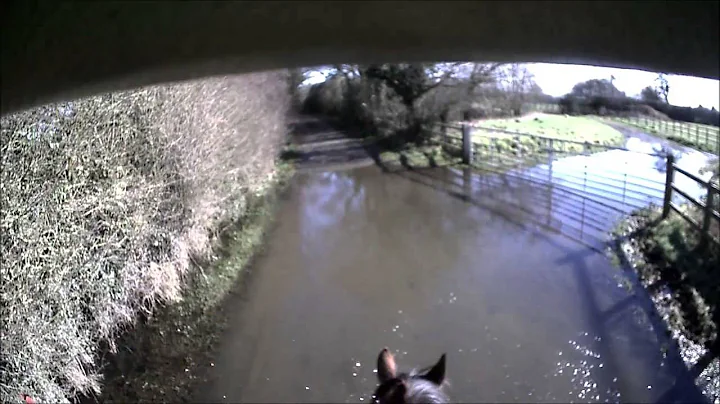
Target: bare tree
650, 94
447, 85
518, 84
460, 92
663, 87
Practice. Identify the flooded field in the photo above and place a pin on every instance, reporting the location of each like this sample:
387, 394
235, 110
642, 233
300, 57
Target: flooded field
425, 263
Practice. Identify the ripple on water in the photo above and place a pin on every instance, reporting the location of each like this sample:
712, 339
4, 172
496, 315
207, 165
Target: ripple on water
582, 366
709, 381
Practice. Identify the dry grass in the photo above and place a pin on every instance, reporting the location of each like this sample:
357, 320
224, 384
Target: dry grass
106, 201
165, 357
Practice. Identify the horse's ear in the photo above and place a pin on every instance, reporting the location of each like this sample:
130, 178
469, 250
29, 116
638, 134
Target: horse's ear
386, 368
436, 374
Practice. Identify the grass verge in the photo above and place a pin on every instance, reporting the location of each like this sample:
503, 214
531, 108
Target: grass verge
681, 273
670, 253
165, 355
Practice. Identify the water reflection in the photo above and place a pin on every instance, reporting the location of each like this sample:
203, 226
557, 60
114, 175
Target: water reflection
583, 196
434, 261
583, 364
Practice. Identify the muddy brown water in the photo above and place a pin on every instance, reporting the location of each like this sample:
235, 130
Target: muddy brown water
363, 259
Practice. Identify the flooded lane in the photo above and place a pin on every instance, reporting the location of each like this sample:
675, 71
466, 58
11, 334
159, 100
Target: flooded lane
424, 263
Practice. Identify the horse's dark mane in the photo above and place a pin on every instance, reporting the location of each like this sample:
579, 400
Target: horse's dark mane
417, 386
420, 390
416, 390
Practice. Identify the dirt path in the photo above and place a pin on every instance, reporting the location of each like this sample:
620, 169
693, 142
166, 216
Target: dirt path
319, 144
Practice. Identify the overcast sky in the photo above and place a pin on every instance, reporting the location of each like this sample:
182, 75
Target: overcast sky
558, 80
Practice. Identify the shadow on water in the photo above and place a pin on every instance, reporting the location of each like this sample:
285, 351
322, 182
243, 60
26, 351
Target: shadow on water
432, 261
631, 324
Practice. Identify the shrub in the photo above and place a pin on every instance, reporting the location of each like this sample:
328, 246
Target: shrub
326, 98
106, 200
601, 105
368, 104
679, 257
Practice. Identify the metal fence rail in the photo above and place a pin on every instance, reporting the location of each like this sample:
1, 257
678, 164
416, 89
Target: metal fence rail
710, 225
589, 193
706, 135
555, 209
573, 192
456, 133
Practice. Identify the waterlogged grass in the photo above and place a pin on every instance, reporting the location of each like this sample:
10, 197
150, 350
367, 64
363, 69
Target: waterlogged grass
166, 355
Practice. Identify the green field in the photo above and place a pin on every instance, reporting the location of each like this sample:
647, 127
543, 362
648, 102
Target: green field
579, 129
570, 133
701, 137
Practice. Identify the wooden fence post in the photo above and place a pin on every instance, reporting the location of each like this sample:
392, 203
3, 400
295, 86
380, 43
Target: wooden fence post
669, 176
551, 157
467, 181
443, 128
708, 209
551, 149
467, 144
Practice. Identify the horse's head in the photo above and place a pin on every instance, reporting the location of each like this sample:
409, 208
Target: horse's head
424, 386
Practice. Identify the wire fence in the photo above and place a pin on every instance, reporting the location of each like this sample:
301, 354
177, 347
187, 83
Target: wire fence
706, 137
582, 189
582, 192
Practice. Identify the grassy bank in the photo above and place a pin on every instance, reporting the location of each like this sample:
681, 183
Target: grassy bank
701, 137
423, 156
166, 355
670, 253
681, 272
